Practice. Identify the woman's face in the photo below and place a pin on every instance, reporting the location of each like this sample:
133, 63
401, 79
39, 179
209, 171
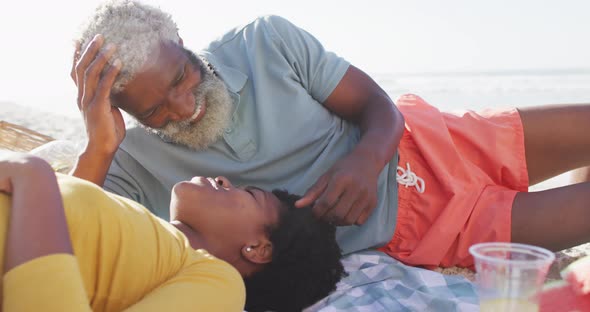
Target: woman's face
226, 217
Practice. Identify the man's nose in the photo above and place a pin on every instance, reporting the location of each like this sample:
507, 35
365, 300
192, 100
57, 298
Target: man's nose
181, 107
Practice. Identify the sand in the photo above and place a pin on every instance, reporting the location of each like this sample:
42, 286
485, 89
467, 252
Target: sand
72, 129
54, 125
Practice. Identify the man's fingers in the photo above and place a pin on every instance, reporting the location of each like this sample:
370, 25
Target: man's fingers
75, 60
83, 62
367, 210
337, 214
363, 217
92, 76
313, 192
326, 202
106, 83
356, 209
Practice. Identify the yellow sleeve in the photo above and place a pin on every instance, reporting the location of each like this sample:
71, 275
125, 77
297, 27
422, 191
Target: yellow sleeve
206, 285
50, 283
53, 284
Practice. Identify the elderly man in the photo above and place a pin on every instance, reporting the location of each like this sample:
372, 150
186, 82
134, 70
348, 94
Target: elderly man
265, 105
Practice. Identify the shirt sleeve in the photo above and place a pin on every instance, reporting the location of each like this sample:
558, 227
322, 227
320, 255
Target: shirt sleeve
120, 181
128, 178
53, 284
319, 70
50, 283
207, 285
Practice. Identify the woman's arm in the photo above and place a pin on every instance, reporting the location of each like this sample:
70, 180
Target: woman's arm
42, 274
37, 226
40, 270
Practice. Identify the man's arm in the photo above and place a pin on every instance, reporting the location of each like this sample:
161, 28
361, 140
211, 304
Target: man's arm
358, 99
104, 123
92, 166
347, 193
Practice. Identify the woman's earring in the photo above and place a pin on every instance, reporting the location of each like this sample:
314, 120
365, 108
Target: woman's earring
248, 249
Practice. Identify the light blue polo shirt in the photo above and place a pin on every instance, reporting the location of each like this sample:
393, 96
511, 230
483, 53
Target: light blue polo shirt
281, 136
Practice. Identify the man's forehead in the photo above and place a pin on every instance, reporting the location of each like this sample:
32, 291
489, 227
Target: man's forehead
164, 56
153, 79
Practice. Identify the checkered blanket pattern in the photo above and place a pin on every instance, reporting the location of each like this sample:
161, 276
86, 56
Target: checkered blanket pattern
377, 282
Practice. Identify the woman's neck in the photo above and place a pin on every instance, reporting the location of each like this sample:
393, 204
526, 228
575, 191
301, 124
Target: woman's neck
197, 241
193, 237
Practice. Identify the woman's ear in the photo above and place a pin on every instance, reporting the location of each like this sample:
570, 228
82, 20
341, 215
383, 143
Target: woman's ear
258, 252
180, 41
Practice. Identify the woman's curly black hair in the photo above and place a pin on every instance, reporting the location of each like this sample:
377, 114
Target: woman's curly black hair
305, 264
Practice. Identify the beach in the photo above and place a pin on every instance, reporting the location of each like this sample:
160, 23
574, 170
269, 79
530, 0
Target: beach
55, 125
450, 92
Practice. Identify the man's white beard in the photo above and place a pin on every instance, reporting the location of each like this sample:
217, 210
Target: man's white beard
210, 128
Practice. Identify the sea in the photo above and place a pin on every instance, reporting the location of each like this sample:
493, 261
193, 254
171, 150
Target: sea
449, 91
479, 90
453, 91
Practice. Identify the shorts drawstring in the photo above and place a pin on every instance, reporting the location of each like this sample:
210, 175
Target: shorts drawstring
409, 178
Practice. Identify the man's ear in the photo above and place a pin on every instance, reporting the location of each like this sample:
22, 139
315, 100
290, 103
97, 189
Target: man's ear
259, 252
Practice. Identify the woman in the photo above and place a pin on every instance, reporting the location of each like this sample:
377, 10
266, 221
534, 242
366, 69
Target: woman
91, 250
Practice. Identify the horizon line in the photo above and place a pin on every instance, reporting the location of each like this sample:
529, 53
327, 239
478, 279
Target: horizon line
490, 72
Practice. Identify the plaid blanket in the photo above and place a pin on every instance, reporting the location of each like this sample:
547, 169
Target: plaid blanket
377, 282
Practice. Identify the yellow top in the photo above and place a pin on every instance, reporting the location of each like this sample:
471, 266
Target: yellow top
125, 259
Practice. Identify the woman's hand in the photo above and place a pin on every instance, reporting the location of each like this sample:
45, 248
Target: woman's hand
18, 170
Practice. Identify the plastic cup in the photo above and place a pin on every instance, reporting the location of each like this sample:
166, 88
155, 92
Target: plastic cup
509, 275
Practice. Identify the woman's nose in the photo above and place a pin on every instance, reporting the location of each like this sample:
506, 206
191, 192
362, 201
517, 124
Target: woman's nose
223, 182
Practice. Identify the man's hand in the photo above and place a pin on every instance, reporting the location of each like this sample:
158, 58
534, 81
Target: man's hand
346, 194
104, 123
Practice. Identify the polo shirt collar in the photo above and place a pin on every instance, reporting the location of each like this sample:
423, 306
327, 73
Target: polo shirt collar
233, 78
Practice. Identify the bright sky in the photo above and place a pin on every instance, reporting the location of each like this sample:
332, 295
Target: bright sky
380, 36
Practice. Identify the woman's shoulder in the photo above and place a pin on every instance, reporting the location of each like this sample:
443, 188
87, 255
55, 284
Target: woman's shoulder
216, 280
88, 206
82, 193
73, 186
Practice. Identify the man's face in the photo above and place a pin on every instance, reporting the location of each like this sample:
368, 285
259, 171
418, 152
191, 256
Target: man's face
178, 98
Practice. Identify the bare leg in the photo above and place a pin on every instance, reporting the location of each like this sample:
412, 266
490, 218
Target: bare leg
581, 175
555, 219
557, 139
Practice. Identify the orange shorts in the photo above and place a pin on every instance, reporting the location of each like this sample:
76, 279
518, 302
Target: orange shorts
473, 165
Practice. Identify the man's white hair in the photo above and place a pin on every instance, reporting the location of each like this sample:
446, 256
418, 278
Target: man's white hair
136, 29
